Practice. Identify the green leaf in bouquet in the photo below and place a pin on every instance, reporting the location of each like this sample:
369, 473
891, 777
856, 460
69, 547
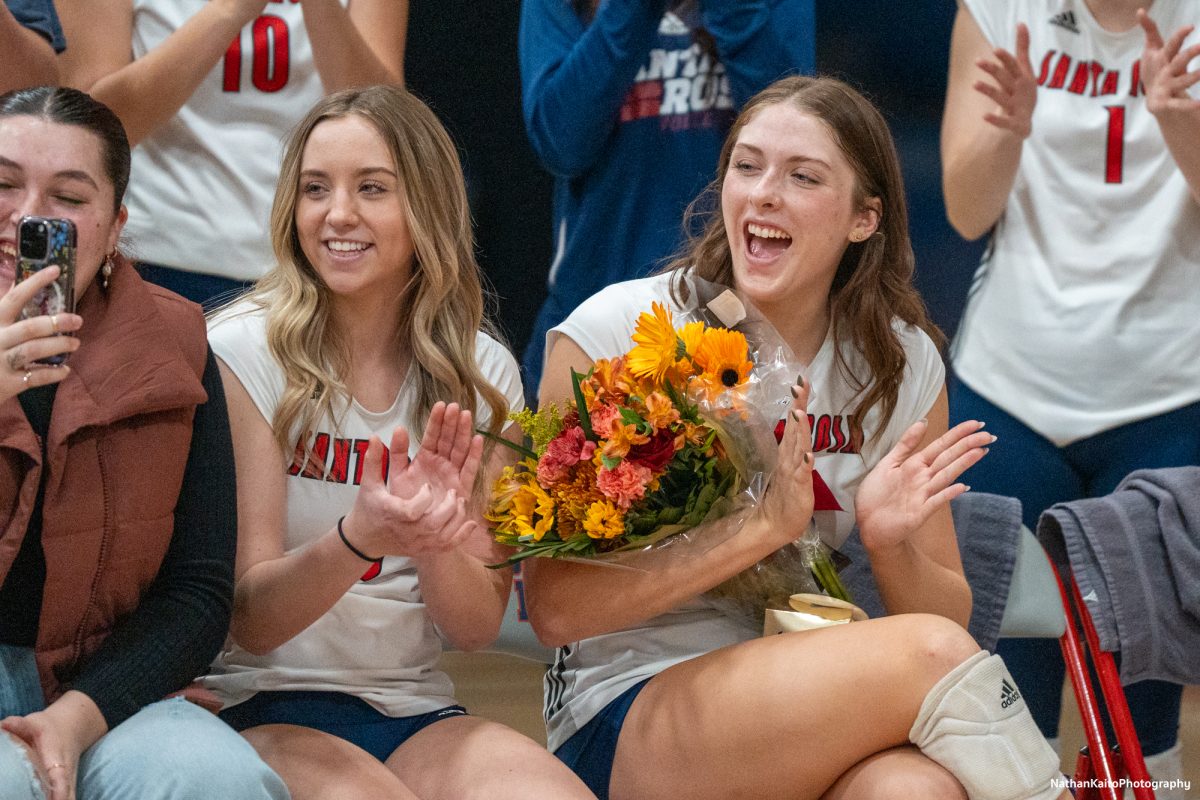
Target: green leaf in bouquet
585, 420
631, 417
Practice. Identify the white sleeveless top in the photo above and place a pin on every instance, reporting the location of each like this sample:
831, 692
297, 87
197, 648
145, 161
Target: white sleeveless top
1083, 314
202, 184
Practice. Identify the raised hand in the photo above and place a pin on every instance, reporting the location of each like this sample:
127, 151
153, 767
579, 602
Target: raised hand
788, 503
1015, 88
23, 342
1164, 69
904, 489
424, 505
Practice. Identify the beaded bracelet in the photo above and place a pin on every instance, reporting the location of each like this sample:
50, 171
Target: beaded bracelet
353, 549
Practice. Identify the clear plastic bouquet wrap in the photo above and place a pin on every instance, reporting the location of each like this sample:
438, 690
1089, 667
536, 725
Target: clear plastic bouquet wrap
673, 441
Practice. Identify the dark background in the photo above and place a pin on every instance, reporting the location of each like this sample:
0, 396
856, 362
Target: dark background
462, 59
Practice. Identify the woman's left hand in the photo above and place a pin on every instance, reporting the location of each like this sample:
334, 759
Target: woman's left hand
908, 485
55, 757
1164, 69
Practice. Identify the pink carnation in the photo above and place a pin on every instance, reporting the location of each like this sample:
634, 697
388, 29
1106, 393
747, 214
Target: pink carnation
624, 484
564, 451
604, 417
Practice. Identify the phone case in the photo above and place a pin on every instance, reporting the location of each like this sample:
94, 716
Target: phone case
58, 297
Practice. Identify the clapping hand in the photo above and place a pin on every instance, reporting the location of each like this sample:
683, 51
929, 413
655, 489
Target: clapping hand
423, 507
1015, 90
1164, 69
908, 485
23, 342
788, 503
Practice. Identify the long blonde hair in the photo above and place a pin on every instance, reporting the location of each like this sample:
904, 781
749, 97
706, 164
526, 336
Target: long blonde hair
873, 283
442, 307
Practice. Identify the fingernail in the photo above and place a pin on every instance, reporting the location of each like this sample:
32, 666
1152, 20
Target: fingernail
795, 415
800, 381
808, 458
994, 437
923, 420
982, 425
796, 392
966, 488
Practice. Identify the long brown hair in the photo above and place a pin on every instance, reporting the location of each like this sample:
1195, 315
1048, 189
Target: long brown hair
442, 308
873, 283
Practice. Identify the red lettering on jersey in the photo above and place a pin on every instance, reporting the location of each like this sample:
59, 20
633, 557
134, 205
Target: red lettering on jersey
360, 455
1079, 83
340, 469
643, 100
233, 66
269, 72
839, 435
1045, 70
1111, 79
1135, 83
821, 436
1060, 72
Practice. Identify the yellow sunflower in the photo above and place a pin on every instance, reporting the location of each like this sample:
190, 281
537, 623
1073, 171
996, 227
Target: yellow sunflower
657, 344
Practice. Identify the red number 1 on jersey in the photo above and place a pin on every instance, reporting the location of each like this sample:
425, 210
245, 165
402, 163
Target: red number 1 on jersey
1114, 153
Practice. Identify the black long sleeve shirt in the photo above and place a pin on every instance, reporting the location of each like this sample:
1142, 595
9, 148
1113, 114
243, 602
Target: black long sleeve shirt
183, 617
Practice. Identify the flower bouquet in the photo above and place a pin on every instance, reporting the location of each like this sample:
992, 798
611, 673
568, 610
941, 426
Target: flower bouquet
669, 441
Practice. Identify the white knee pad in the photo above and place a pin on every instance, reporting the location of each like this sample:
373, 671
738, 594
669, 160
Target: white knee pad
975, 724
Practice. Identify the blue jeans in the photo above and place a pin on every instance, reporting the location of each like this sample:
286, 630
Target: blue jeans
170, 750
1024, 464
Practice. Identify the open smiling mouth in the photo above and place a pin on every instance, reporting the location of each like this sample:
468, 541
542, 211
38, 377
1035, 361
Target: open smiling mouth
766, 242
342, 246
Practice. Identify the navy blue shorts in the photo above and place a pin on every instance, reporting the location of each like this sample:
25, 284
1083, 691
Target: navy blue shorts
590, 752
341, 715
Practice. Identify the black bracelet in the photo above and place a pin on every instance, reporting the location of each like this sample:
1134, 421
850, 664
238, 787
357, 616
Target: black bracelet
353, 549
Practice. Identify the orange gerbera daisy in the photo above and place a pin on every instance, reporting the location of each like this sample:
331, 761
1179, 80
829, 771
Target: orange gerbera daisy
657, 346
724, 358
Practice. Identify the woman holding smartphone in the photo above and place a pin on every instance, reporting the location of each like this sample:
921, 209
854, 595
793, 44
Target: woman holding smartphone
117, 535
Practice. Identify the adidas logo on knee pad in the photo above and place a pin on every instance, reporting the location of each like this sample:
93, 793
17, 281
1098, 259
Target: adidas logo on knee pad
1008, 694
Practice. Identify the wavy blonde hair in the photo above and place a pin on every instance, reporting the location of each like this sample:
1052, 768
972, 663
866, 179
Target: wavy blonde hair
441, 309
873, 283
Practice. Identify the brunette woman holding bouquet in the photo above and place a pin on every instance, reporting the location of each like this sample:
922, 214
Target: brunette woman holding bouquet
657, 694
353, 566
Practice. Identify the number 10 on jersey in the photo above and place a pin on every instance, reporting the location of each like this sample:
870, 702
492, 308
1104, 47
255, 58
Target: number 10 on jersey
269, 59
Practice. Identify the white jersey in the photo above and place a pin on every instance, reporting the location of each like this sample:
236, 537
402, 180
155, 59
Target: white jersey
1083, 314
587, 675
377, 642
201, 185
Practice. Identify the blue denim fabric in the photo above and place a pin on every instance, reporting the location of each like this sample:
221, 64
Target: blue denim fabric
170, 750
